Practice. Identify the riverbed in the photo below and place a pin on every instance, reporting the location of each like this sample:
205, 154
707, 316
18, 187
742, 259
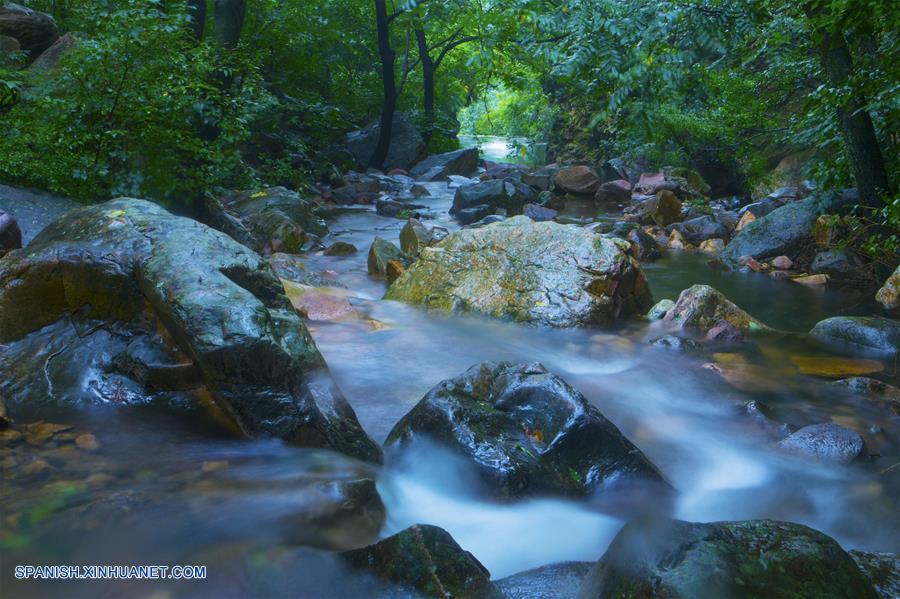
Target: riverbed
177, 490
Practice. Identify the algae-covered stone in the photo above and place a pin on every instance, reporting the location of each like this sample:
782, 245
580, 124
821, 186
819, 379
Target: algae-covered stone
526, 431
132, 267
427, 561
380, 254
701, 308
753, 558
542, 273
660, 309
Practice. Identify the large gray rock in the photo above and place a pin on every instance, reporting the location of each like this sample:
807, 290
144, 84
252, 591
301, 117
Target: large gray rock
424, 561
526, 431
783, 231
839, 264
440, 167
130, 272
860, 333
724, 560
541, 273
579, 180
407, 145
272, 220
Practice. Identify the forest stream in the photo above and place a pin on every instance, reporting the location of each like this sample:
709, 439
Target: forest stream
156, 489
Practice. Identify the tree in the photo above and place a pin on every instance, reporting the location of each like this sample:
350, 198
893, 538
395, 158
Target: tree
229, 17
197, 15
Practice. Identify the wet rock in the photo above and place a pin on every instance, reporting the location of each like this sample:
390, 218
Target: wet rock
539, 213
271, 220
406, 147
502, 194
380, 253
554, 581
578, 180
618, 191
459, 181
841, 264
678, 344
882, 570
526, 431
35, 31
541, 180
698, 230
701, 308
416, 235
123, 262
650, 183
860, 334
425, 560
540, 273
393, 209
725, 332
826, 442
889, 294
676, 241
812, 280
482, 214
490, 219
752, 558
439, 167
359, 189
643, 246
662, 209
10, 234
293, 268
783, 231
659, 310
340, 248
712, 246
745, 220
395, 268
419, 191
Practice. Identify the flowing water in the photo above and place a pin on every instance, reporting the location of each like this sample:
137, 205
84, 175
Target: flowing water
517, 150
168, 489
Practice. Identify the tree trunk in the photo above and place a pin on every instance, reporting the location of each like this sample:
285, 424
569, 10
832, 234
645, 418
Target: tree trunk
386, 53
197, 16
428, 69
857, 128
229, 16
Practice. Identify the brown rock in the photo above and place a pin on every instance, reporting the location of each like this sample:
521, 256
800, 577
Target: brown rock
824, 231
395, 268
580, 180
649, 183
318, 303
87, 442
712, 246
675, 240
614, 191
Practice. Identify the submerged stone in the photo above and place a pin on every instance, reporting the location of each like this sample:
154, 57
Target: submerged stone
826, 442
866, 334
701, 308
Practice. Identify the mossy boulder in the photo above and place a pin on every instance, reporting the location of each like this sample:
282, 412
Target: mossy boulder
526, 431
542, 273
381, 253
128, 266
753, 558
425, 561
270, 220
700, 308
